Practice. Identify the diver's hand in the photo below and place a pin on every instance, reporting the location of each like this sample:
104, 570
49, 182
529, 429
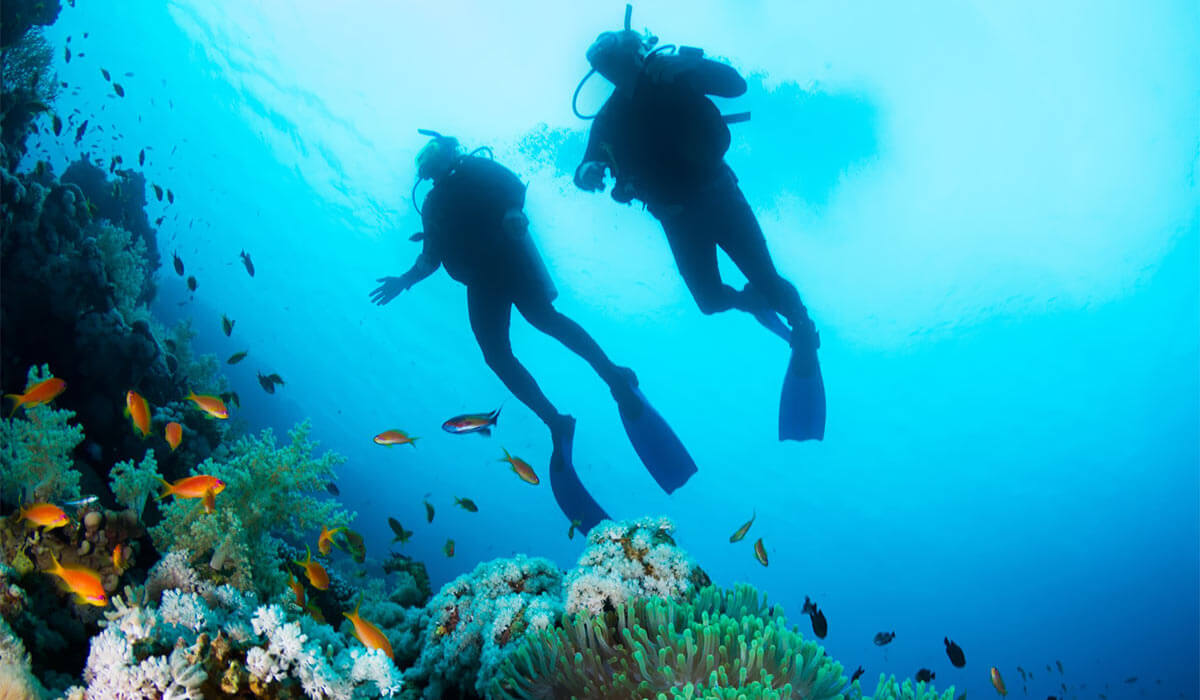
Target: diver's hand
590, 176
390, 289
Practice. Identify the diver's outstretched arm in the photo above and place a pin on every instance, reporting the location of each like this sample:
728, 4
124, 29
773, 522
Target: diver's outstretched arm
425, 266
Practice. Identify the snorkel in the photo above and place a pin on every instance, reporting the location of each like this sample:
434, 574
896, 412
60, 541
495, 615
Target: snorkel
648, 41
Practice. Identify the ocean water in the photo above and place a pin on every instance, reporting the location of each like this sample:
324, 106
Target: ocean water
991, 212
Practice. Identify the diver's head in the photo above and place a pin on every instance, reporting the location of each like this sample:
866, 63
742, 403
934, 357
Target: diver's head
438, 157
618, 56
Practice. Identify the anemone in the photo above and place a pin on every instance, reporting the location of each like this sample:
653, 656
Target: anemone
715, 645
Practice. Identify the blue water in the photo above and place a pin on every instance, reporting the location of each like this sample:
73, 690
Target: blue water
991, 211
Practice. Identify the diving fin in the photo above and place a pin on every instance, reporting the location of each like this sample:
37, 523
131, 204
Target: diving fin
573, 499
802, 401
659, 448
752, 302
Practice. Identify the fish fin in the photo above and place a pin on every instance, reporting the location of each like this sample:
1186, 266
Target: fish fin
167, 488
485, 431
17, 401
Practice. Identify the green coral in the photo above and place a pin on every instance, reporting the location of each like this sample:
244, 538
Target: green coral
131, 483
716, 645
125, 266
270, 493
35, 450
889, 689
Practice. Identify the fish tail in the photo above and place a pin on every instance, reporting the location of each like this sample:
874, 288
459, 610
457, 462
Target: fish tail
18, 400
485, 431
168, 489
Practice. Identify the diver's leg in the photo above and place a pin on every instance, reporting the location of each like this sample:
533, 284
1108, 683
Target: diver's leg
696, 257
542, 315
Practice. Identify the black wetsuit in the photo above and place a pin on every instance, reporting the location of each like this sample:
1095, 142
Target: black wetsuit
462, 217
665, 142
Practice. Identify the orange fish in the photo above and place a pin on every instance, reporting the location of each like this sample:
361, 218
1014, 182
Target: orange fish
45, 515
174, 434
317, 577
521, 467
760, 552
38, 394
395, 437
297, 588
367, 633
81, 581
139, 411
998, 682
325, 540
209, 500
211, 405
192, 487
120, 557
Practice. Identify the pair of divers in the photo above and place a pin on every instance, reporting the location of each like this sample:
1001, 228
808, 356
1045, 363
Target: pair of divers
663, 141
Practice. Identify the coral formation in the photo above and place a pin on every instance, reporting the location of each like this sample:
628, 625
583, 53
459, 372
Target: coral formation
890, 689
17, 681
629, 560
35, 450
477, 619
716, 645
133, 483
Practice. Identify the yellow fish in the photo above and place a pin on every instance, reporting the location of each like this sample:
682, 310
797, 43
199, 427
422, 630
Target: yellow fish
521, 467
367, 633
81, 581
45, 515
318, 578
325, 540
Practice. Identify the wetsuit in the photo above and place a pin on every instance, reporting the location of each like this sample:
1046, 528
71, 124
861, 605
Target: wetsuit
463, 217
665, 143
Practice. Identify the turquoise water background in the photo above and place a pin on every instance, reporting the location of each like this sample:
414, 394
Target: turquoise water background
991, 212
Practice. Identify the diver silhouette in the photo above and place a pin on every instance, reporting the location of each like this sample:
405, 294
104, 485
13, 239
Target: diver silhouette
664, 142
474, 226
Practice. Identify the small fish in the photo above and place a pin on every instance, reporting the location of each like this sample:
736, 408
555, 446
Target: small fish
191, 283
86, 500
1022, 672
1131, 679
325, 540
318, 578
120, 557
428, 511
67, 53
884, 638
449, 548
417, 237
170, 196
227, 325
43, 392
142, 157
79, 132
925, 675
266, 383
857, 674
332, 488
237, 357
211, 405
998, 682
138, 410
1056, 663
402, 535
45, 515
57, 125
209, 501
760, 552
178, 263
104, 72
118, 89
158, 222
472, 423
521, 468
247, 262
276, 379
955, 652
192, 487
174, 434
297, 588
467, 504
571, 530
82, 581
368, 633
819, 624
158, 192
395, 437
355, 545
741, 531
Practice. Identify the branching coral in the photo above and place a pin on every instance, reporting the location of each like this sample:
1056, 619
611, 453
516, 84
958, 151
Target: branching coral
35, 450
628, 560
717, 645
125, 266
271, 492
478, 618
132, 484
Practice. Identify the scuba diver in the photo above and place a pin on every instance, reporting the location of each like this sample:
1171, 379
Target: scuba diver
474, 226
664, 141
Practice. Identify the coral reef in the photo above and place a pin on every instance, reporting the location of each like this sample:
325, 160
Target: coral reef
271, 492
35, 450
17, 681
477, 619
17, 17
133, 483
27, 83
890, 689
629, 560
716, 645
412, 587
